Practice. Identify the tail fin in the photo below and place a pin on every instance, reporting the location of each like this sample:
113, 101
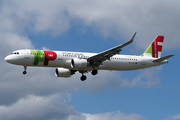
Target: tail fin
155, 48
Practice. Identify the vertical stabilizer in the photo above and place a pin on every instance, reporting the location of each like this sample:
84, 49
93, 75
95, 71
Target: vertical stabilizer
155, 48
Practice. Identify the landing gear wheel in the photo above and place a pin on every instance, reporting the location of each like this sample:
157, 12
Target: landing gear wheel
83, 78
25, 68
24, 72
94, 72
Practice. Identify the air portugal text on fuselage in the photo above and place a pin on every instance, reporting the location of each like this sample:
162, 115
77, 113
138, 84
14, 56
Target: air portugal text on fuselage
43, 56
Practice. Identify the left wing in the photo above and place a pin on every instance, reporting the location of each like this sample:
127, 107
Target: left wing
96, 60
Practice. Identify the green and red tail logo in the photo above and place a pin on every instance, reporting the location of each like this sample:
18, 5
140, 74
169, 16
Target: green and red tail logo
155, 49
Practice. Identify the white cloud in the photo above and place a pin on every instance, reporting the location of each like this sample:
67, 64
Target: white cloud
19, 15
114, 116
175, 117
32, 107
45, 48
111, 18
11, 41
126, 17
146, 78
55, 107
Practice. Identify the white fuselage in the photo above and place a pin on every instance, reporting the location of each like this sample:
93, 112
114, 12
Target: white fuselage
63, 60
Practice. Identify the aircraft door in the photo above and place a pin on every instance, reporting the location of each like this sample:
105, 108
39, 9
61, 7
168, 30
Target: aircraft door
142, 61
26, 54
60, 56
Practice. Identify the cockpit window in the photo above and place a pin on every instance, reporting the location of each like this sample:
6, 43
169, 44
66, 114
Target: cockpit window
15, 53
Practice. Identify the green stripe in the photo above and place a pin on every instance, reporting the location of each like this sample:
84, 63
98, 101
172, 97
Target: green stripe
149, 50
38, 56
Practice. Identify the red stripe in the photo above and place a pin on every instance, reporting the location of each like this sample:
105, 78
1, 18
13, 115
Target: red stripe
154, 50
49, 56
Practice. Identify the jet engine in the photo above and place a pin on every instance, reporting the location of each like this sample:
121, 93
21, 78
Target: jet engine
79, 63
63, 72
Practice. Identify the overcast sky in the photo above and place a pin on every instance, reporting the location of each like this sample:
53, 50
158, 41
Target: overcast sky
89, 26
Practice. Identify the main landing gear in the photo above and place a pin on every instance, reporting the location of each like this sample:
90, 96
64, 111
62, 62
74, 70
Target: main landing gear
83, 77
94, 72
25, 68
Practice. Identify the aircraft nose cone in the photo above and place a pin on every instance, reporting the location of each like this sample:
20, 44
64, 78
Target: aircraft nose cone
8, 59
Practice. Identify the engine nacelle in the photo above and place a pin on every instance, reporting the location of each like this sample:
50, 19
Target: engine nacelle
63, 72
79, 63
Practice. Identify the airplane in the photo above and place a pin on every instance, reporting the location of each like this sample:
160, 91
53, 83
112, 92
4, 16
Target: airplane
68, 63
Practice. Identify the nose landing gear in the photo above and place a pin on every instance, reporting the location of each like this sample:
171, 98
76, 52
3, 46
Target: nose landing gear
25, 68
24, 72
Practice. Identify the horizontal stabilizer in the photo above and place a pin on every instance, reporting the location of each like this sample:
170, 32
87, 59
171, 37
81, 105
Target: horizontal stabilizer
163, 58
